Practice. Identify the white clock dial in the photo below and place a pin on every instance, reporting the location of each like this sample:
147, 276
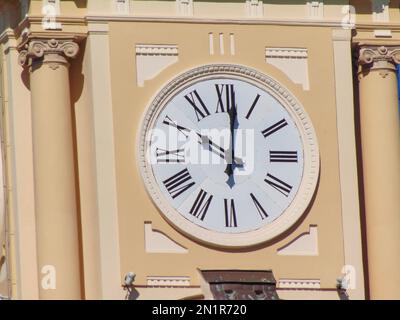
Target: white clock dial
227, 158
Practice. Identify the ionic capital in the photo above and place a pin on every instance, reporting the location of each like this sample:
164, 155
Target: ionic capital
383, 58
49, 51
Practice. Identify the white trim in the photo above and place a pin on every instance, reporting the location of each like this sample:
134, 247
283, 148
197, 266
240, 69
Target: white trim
383, 33
155, 49
306, 244
121, 6
106, 189
232, 43
21, 188
221, 44
243, 21
184, 7
299, 284
380, 10
166, 281
315, 9
347, 158
211, 43
292, 61
155, 241
254, 8
299, 116
152, 59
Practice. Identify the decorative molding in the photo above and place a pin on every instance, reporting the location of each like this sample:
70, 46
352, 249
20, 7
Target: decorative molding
383, 33
98, 28
315, 9
105, 258
161, 281
232, 44
305, 244
380, 10
152, 59
53, 3
299, 284
184, 7
221, 44
211, 43
156, 50
51, 9
254, 8
50, 51
310, 144
333, 22
380, 13
292, 61
157, 242
122, 6
347, 156
382, 58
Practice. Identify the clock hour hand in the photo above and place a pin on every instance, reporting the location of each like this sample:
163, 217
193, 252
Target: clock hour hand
231, 152
213, 147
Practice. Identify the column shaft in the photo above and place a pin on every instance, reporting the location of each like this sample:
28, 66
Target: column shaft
54, 171
380, 135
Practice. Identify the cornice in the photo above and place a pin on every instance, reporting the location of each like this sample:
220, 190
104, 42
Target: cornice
73, 20
243, 21
65, 20
377, 25
82, 21
360, 42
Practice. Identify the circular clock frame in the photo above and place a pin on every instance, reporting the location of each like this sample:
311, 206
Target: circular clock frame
310, 148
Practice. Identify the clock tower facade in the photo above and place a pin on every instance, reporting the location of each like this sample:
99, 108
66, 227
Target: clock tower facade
167, 149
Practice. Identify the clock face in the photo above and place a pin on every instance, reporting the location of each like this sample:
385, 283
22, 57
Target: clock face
226, 158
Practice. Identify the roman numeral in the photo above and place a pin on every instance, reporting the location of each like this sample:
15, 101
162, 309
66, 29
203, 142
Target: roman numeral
283, 156
274, 128
178, 183
169, 122
230, 213
253, 106
226, 97
201, 205
170, 156
198, 105
278, 185
260, 209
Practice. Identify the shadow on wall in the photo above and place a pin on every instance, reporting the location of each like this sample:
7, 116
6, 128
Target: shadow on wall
80, 3
132, 294
10, 14
398, 83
